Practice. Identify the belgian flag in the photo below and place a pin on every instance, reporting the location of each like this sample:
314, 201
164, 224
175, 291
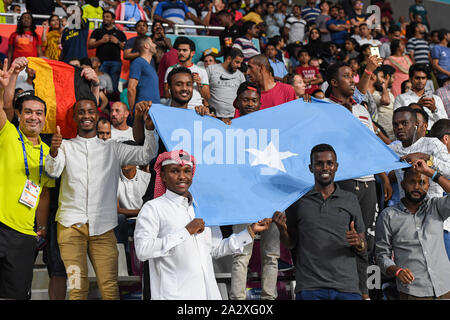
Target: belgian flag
60, 85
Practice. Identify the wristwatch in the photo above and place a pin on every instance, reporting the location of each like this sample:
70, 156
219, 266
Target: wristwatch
436, 176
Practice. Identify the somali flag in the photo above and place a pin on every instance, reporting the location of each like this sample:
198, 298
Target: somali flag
259, 164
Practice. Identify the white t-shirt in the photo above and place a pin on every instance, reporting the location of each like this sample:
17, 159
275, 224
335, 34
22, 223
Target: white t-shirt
122, 135
131, 191
196, 99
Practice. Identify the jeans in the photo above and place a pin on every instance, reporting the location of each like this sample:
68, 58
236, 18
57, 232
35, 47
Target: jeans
113, 68
326, 294
270, 252
447, 242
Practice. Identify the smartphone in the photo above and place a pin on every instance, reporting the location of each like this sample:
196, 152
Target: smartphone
374, 51
428, 94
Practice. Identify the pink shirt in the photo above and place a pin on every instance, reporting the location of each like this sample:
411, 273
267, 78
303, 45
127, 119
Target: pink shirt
279, 94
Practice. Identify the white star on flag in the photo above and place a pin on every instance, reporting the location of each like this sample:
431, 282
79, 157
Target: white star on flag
270, 157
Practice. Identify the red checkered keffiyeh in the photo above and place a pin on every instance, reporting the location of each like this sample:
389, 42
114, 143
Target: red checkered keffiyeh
180, 157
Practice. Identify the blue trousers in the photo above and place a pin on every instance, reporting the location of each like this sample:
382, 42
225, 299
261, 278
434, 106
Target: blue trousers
326, 294
113, 68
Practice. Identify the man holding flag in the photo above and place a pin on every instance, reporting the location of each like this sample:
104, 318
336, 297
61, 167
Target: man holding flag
326, 230
87, 215
176, 243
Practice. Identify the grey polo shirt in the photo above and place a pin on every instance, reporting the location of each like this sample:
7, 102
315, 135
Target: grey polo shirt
417, 242
318, 227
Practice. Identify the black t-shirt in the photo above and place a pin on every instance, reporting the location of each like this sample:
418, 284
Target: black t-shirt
40, 6
108, 51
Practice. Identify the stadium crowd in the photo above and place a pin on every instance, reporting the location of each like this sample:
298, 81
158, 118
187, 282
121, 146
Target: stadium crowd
115, 181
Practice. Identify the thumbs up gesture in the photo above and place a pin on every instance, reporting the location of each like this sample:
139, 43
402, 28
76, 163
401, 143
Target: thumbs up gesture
353, 237
56, 142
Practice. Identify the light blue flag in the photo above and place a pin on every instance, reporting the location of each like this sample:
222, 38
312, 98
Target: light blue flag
259, 164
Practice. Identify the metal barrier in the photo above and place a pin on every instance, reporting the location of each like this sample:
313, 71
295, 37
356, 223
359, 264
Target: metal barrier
97, 22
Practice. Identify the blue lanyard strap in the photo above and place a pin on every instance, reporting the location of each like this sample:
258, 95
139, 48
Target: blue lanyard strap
25, 158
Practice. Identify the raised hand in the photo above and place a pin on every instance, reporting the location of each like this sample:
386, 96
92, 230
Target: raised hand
19, 64
5, 74
141, 112
56, 142
196, 226
373, 63
89, 74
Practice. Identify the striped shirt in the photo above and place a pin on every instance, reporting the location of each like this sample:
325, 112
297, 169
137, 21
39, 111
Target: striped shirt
296, 28
173, 11
247, 47
444, 94
421, 50
310, 14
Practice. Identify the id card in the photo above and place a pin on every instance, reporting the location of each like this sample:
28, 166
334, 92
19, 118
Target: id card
30, 194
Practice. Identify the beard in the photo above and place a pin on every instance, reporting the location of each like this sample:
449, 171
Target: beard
410, 197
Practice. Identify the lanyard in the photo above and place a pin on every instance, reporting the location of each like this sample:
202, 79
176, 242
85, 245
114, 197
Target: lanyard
25, 158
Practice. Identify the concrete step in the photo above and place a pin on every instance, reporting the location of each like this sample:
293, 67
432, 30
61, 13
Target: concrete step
40, 279
39, 294
39, 262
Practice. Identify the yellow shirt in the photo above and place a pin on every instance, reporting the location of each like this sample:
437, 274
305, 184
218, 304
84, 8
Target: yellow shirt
12, 178
2, 9
91, 12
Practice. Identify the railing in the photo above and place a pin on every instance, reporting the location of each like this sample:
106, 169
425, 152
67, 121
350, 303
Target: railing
97, 22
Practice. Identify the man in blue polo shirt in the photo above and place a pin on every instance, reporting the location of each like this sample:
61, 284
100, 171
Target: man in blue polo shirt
174, 12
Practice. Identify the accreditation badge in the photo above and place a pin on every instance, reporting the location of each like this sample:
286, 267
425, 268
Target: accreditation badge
30, 194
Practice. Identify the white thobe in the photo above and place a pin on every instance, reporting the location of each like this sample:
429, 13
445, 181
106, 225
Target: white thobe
180, 264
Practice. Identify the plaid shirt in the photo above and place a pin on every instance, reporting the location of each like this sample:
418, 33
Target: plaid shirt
444, 94
441, 162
